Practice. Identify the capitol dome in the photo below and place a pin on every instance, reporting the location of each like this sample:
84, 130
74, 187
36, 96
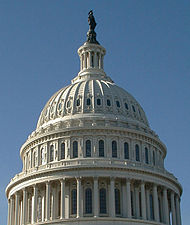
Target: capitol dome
96, 97
93, 158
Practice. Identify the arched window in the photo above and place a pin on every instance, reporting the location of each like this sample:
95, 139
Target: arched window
103, 208
78, 102
133, 108
88, 201
42, 156
68, 104
74, 201
75, 149
118, 104
88, 148
39, 208
101, 148
154, 159
62, 150
98, 101
88, 101
114, 149
146, 156
151, 207
59, 106
126, 106
137, 153
51, 158
117, 202
126, 150
108, 102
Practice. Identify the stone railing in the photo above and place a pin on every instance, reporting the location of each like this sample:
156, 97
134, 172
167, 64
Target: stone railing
93, 162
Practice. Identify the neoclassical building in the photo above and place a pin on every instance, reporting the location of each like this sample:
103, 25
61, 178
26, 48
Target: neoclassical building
93, 158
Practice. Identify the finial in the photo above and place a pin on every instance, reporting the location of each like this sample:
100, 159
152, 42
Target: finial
91, 34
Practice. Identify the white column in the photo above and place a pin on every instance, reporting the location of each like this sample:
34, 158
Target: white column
124, 200
16, 208
9, 211
24, 207
85, 60
12, 210
79, 197
137, 211
165, 206
155, 201
178, 210
62, 206
21, 213
43, 206
34, 206
128, 185
53, 203
96, 197
112, 197
47, 201
173, 209
90, 59
100, 61
148, 204
81, 61
143, 201
95, 60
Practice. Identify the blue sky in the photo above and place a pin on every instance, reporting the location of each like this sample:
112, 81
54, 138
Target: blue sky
148, 54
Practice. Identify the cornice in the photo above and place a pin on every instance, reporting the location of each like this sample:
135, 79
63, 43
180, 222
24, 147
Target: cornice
162, 174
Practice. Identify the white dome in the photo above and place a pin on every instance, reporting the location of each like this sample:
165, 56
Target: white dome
92, 98
93, 159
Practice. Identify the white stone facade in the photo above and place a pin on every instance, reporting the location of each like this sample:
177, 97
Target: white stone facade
93, 159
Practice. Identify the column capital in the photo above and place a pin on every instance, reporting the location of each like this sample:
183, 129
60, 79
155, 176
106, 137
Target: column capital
143, 182
155, 185
62, 179
78, 178
95, 177
128, 180
17, 194
34, 185
24, 189
165, 188
112, 178
47, 182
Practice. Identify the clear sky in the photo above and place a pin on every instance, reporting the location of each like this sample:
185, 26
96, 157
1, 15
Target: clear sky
148, 54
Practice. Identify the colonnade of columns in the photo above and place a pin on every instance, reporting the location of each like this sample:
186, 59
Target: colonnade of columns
91, 59
138, 200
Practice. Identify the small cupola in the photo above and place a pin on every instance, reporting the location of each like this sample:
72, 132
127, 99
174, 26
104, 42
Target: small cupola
91, 55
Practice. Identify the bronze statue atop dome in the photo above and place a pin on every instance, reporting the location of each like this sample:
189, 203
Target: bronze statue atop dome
91, 21
91, 34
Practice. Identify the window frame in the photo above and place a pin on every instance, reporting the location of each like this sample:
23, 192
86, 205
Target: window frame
75, 150
100, 149
114, 149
